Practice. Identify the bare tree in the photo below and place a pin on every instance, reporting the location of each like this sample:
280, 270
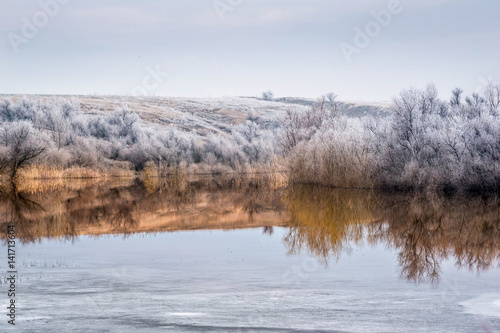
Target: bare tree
332, 103
268, 95
492, 94
59, 127
24, 146
456, 97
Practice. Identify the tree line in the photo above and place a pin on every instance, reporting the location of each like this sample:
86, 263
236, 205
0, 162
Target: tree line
425, 143
58, 133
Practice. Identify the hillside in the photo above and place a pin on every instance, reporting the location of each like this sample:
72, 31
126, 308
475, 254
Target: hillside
208, 115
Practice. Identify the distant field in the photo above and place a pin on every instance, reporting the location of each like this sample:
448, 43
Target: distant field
209, 115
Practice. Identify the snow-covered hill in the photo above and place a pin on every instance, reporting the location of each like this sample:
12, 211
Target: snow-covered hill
209, 115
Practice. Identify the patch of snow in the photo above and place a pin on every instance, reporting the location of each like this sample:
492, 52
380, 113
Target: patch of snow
484, 305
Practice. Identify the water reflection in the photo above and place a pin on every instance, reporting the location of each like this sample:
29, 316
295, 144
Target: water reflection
66, 210
423, 230
325, 221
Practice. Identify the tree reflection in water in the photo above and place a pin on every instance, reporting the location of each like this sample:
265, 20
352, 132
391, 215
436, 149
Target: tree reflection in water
424, 230
126, 206
428, 230
325, 221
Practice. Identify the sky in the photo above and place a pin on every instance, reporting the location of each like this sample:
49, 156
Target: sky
361, 50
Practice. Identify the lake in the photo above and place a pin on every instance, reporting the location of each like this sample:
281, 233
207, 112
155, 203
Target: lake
247, 254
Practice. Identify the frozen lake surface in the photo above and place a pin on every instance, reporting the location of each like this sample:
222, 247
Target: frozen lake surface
212, 256
237, 281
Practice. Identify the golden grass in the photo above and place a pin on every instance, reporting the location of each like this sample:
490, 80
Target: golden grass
40, 178
34, 186
260, 176
336, 163
75, 172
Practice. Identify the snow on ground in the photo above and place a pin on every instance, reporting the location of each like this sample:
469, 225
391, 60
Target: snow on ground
237, 281
484, 305
209, 115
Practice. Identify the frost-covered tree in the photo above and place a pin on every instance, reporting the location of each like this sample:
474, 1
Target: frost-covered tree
425, 143
268, 95
430, 143
20, 145
300, 126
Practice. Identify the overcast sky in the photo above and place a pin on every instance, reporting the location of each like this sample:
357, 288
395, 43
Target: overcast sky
242, 47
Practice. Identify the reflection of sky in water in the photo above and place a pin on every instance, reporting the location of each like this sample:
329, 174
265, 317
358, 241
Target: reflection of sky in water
232, 280
287, 259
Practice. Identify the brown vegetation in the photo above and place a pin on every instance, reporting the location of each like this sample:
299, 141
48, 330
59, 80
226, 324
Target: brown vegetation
423, 230
124, 206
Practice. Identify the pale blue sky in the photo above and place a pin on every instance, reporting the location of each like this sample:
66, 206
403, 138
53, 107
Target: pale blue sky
289, 46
